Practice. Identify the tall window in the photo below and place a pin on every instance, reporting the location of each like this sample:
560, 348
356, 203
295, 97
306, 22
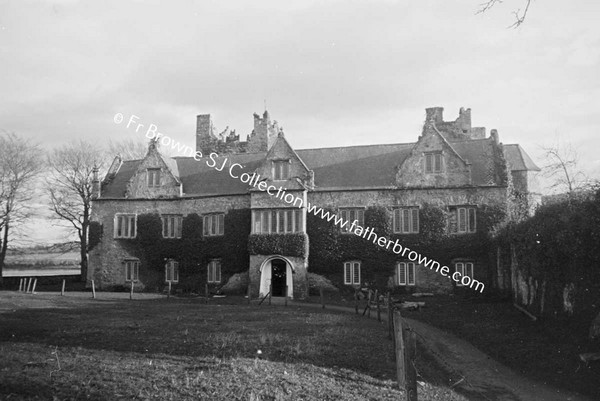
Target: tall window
433, 162
132, 270
125, 226
171, 225
172, 271
406, 273
153, 177
350, 215
465, 269
278, 221
406, 220
281, 169
352, 273
462, 219
214, 224
214, 271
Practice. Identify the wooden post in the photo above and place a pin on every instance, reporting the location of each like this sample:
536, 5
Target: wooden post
131, 291
322, 297
34, 284
93, 290
286, 295
410, 352
399, 345
28, 284
206, 292
270, 292
62, 291
378, 306
169, 292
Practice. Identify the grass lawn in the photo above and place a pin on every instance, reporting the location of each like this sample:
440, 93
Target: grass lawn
78, 348
545, 351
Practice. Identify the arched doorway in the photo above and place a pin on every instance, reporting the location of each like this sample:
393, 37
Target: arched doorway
276, 272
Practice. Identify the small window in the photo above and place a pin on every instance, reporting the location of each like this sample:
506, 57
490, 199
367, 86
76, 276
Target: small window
125, 226
153, 177
214, 224
350, 215
465, 269
172, 271
406, 273
132, 270
281, 170
171, 225
352, 273
462, 219
433, 162
406, 220
214, 271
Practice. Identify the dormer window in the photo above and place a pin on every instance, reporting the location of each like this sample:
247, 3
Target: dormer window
153, 177
281, 170
433, 162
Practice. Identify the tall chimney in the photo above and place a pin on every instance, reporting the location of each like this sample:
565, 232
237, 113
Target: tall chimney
435, 114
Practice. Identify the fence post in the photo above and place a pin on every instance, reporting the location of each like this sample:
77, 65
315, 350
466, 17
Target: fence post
28, 285
131, 291
399, 345
169, 293
93, 290
322, 297
378, 305
270, 292
20, 280
62, 290
410, 352
206, 292
34, 284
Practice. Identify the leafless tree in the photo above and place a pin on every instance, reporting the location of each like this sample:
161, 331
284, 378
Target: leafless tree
20, 164
518, 14
562, 168
69, 186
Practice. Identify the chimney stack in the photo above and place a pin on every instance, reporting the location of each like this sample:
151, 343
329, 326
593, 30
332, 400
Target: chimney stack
435, 114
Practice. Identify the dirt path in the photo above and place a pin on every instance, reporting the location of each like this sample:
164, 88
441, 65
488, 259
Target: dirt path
483, 377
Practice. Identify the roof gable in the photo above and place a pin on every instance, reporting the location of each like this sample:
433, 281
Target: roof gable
169, 183
299, 175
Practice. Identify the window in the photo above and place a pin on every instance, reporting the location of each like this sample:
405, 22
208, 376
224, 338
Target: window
172, 271
153, 177
350, 215
462, 220
125, 226
214, 271
281, 169
352, 273
433, 162
465, 269
214, 224
279, 221
171, 225
406, 273
132, 270
406, 220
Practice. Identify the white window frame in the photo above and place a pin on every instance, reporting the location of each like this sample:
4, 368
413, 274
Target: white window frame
132, 270
352, 272
350, 214
153, 177
468, 221
171, 225
281, 173
172, 271
465, 269
400, 223
403, 272
277, 221
213, 224
213, 271
125, 219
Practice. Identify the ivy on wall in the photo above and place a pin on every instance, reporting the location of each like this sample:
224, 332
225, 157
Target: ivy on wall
278, 244
94, 234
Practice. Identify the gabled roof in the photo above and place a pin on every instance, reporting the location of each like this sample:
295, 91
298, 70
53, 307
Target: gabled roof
518, 160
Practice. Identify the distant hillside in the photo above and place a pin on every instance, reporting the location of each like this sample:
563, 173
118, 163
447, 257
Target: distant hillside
60, 248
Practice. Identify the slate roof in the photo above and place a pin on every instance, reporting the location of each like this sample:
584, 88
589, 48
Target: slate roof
352, 167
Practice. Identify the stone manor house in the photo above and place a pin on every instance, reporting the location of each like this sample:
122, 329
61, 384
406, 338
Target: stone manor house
241, 229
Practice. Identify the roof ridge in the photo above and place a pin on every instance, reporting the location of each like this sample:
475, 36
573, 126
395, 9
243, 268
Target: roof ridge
359, 146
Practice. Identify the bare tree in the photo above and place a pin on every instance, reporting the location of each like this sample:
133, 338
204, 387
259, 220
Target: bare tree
562, 168
519, 15
70, 187
19, 166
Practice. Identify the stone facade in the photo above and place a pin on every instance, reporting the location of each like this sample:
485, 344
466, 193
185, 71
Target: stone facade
471, 170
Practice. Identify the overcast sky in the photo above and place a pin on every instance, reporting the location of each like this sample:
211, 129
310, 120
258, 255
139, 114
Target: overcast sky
332, 73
